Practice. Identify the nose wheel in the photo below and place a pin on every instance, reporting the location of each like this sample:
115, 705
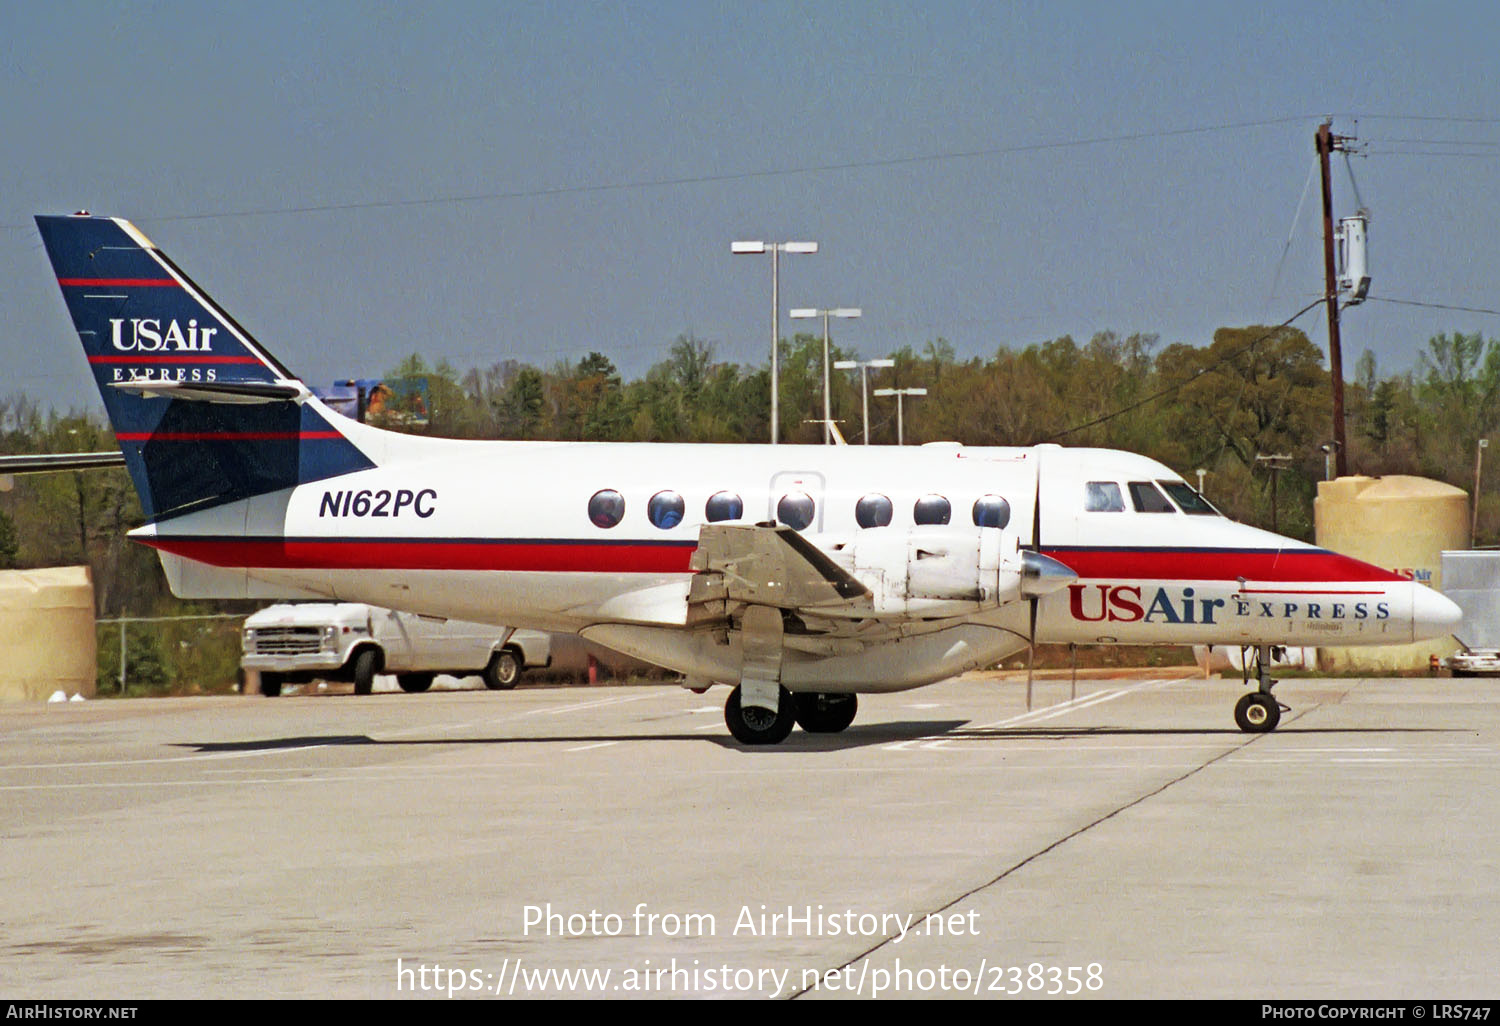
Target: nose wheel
1258, 712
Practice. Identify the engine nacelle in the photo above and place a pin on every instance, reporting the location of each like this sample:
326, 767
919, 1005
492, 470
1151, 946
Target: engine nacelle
935, 571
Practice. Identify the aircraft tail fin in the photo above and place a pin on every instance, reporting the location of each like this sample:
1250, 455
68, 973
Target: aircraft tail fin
203, 413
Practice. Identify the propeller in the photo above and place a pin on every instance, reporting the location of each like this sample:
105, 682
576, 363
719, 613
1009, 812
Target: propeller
1040, 575
1036, 541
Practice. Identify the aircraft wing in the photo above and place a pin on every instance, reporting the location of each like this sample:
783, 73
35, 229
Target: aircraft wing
880, 576
765, 566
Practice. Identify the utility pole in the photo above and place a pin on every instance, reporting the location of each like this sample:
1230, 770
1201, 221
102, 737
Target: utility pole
1275, 464
1327, 142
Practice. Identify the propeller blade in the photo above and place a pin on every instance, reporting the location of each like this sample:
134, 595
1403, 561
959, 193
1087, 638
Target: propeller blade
1038, 573
1030, 652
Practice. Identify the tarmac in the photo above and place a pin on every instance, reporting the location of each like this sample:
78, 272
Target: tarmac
1120, 840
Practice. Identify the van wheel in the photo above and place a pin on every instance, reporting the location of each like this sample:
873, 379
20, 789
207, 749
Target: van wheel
270, 684
503, 671
366, 665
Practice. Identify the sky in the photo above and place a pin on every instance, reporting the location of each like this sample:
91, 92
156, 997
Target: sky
477, 182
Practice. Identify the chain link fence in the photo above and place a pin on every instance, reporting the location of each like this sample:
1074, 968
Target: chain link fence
161, 655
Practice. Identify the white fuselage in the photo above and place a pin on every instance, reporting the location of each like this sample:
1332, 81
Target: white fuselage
501, 532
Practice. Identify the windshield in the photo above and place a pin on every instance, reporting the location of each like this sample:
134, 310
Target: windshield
1188, 499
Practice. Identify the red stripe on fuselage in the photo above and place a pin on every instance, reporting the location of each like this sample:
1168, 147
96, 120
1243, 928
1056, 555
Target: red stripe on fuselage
372, 554
1217, 565
1260, 566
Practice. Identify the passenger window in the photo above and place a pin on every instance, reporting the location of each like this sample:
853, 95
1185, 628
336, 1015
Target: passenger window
795, 510
665, 509
991, 511
932, 509
1188, 499
1102, 497
1146, 499
724, 506
607, 508
874, 510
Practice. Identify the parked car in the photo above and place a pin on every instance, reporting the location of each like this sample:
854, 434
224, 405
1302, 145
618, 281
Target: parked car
349, 641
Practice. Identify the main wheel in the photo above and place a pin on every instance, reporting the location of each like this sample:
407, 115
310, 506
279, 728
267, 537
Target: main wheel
366, 665
821, 713
503, 671
414, 683
1257, 713
755, 726
270, 684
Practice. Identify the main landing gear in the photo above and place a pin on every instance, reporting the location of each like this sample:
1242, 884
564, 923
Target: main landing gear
1259, 712
815, 712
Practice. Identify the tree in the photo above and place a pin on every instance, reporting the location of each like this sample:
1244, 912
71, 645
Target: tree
10, 543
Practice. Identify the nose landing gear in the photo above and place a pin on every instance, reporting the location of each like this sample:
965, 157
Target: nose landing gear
1259, 712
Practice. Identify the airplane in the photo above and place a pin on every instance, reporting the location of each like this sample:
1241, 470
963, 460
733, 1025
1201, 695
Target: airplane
800, 576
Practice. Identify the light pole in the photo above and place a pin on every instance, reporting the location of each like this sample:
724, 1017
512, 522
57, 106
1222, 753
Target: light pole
864, 383
1330, 456
803, 312
775, 249
900, 394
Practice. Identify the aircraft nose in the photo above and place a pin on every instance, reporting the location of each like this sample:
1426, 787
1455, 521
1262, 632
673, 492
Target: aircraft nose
1432, 615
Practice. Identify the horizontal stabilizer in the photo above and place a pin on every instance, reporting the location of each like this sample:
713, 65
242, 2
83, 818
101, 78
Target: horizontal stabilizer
45, 463
233, 392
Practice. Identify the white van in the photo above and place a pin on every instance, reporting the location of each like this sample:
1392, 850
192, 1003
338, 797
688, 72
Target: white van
349, 641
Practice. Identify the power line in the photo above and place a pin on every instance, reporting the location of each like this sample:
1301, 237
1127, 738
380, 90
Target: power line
1376, 151
1438, 142
1434, 306
1424, 117
730, 176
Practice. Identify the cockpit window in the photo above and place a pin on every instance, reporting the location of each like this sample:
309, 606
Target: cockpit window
1146, 499
1103, 497
1187, 497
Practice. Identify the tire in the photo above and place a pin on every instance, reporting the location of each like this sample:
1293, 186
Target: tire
820, 713
270, 684
366, 666
1257, 713
414, 683
758, 726
503, 671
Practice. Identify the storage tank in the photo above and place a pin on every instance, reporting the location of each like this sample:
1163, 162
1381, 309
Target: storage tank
1402, 524
47, 638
